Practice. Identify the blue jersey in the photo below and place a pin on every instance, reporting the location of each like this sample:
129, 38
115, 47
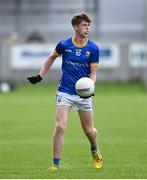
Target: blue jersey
76, 62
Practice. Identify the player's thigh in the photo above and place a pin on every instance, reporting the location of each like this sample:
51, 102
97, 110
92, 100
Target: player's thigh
86, 118
62, 115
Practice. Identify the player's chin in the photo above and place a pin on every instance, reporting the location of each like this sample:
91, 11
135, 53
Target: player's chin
85, 35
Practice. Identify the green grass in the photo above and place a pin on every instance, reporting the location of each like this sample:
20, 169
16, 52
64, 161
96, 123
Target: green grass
27, 118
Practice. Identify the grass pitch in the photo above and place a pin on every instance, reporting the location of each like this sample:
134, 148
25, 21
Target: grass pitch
27, 118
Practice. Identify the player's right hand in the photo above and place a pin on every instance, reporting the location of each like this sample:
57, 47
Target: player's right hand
34, 79
87, 96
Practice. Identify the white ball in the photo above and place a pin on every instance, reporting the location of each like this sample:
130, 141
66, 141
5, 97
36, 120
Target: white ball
85, 87
4, 87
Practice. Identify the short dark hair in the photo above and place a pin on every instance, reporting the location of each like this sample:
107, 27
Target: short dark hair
79, 17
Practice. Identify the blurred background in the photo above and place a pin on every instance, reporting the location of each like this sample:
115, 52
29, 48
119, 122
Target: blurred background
30, 30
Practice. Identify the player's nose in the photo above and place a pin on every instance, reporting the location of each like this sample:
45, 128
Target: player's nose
87, 27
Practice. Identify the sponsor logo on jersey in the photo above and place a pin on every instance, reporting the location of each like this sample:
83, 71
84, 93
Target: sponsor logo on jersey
77, 63
68, 50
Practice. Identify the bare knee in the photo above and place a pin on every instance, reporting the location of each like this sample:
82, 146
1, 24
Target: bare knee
60, 128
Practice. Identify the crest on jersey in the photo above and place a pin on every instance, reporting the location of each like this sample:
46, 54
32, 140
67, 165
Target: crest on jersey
87, 53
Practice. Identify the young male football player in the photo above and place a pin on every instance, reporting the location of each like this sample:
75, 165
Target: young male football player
80, 58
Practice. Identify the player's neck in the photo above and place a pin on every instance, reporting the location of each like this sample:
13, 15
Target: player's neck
79, 41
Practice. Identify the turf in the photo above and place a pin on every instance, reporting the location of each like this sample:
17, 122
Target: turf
27, 117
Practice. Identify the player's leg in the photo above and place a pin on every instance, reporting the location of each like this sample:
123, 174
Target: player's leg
86, 118
60, 126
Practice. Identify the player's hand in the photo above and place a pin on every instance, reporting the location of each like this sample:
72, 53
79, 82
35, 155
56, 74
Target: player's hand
34, 79
88, 96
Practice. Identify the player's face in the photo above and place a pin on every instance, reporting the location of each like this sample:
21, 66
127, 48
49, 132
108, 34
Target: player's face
83, 29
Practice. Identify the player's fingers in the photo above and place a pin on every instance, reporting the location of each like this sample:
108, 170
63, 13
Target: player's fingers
31, 80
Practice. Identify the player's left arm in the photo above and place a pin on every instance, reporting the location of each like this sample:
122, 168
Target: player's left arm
93, 69
94, 62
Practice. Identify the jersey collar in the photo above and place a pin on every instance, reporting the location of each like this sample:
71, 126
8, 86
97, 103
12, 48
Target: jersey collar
79, 46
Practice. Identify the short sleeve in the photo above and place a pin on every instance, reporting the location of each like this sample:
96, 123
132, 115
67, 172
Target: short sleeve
59, 48
95, 55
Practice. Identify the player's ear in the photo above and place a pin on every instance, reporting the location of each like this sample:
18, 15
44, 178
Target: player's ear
75, 27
